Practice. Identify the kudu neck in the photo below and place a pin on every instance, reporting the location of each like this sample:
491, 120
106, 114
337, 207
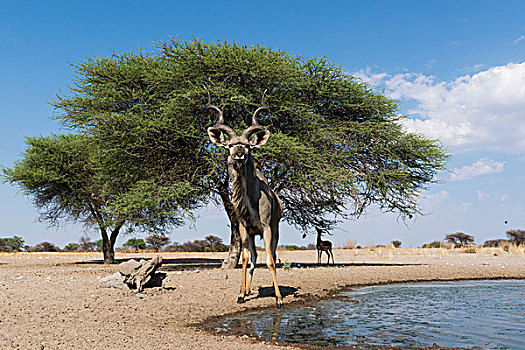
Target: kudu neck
246, 169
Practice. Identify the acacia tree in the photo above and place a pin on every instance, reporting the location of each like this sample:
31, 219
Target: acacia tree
516, 236
336, 146
157, 241
65, 177
459, 239
135, 243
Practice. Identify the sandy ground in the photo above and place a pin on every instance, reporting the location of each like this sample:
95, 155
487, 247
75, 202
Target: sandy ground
52, 300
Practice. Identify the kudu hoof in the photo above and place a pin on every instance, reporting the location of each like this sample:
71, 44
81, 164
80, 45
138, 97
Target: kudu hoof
280, 304
240, 300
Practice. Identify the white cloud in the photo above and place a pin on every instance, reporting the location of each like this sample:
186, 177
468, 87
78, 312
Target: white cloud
519, 39
503, 198
483, 111
431, 201
483, 166
482, 195
430, 63
465, 206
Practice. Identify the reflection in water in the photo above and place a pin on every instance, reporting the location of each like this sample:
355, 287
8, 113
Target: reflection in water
488, 314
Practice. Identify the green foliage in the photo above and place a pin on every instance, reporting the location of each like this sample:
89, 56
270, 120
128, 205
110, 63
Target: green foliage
98, 244
293, 247
135, 243
434, 244
56, 171
72, 247
67, 177
335, 143
287, 265
11, 244
221, 247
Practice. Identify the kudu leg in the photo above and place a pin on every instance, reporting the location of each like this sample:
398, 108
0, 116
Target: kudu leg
244, 258
271, 266
253, 262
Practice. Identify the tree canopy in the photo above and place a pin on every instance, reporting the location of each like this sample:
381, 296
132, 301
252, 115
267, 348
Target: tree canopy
68, 181
336, 146
459, 239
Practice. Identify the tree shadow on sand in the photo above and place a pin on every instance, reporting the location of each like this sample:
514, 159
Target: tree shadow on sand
182, 264
168, 264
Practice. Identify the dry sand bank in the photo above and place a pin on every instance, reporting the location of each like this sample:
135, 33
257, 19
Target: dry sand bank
51, 300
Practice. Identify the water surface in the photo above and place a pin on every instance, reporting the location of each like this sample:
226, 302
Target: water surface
486, 314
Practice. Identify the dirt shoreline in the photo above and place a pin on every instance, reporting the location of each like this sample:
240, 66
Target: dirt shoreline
52, 300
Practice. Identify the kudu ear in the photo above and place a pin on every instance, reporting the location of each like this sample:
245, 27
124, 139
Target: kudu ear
217, 136
260, 138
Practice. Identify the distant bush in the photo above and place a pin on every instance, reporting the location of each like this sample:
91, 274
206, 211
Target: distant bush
292, 247
435, 244
87, 245
11, 244
516, 236
209, 244
72, 247
44, 247
175, 247
496, 243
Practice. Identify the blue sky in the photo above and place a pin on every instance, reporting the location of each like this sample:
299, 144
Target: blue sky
457, 67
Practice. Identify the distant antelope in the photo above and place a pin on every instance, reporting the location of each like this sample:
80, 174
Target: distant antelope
257, 207
323, 246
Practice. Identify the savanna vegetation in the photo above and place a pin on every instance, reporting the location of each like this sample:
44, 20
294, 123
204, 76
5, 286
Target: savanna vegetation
137, 155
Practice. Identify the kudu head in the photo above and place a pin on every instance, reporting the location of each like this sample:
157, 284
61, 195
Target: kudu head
239, 146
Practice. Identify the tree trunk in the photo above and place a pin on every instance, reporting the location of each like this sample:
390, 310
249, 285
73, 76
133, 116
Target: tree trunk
107, 249
234, 252
109, 253
108, 243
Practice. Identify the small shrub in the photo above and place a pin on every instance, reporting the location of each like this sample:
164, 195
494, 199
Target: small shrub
44, 247
72, 247
470, 250
435, 244
293, 247
287, 265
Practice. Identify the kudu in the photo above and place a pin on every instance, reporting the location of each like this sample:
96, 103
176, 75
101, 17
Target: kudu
323, 246
257, 207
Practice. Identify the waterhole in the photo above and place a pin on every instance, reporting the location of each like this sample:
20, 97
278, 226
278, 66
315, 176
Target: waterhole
485, 314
